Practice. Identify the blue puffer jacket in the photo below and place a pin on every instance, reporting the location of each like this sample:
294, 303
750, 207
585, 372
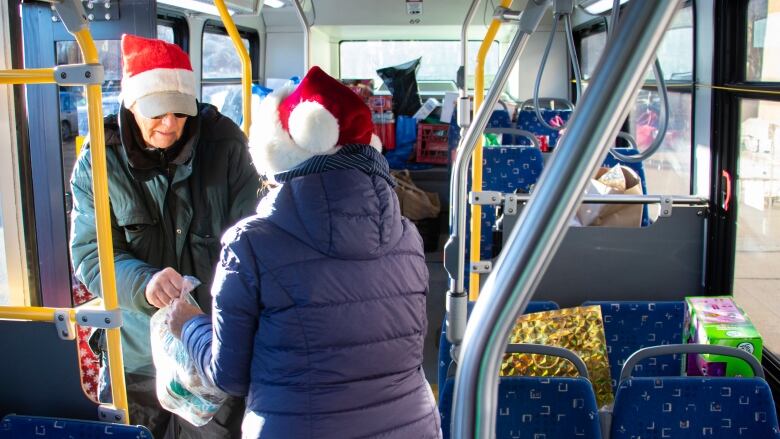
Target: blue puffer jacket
319, 314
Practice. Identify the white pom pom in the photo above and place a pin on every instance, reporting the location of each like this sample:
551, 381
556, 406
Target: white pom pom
313, 128
376, 142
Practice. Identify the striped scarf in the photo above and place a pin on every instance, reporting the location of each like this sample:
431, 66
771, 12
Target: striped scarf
356, 156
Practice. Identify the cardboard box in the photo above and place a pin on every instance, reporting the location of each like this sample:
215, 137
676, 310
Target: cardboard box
719, 321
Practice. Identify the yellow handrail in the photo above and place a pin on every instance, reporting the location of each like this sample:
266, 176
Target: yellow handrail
34, 313
246, 65
27, 76
97, 145
476, 160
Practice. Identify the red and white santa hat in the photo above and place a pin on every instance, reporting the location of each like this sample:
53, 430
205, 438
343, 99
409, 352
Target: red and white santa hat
292, 124
157, 76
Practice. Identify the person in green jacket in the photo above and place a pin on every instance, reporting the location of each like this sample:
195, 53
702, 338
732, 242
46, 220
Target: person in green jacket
179, 175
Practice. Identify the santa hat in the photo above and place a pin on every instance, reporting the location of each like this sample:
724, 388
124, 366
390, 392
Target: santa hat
157, 76
294, 124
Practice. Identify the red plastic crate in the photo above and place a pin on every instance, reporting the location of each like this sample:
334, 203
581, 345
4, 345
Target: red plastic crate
432, 146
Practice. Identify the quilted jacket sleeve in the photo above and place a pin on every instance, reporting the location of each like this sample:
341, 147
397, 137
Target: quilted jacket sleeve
132, 274
222, 345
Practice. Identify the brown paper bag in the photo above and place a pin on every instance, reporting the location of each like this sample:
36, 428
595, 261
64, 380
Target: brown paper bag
416, 204
616, 180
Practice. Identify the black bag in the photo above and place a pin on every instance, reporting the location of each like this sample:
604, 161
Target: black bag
401, 80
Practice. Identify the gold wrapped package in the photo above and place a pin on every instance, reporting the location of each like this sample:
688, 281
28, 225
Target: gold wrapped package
579, 329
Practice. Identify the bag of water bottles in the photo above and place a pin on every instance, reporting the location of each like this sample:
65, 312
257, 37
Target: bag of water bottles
180, 388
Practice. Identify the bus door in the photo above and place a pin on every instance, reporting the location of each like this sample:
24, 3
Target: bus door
57, 120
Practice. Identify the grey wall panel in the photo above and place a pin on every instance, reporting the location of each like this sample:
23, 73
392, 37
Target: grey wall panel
660, 262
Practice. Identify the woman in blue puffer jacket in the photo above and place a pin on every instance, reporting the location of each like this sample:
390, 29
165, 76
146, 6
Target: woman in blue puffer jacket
319, 299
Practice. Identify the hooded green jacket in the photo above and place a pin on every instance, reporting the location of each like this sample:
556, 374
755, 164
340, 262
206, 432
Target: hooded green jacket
166, 211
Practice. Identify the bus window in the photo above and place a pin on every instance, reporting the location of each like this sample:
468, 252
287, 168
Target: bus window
591, 48
221, 77
668, 170
763, 24
73, 101
440, 59
165, 33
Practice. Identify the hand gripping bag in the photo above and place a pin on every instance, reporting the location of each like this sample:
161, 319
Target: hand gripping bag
180, 388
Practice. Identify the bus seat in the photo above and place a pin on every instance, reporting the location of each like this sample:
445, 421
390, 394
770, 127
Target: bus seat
633, 325
41, 374
537, 407
639, 168
498, 119
712, 407
14, 426
445, 345
505, 169
527, 120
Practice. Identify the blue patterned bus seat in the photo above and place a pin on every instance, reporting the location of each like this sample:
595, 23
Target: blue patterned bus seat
16, 426
444, 344
632, 325
505, 169
527, 120
537, 407
693, 407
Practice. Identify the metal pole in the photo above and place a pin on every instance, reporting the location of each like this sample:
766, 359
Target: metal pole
306, 35
464, 41
455, 249
520, 267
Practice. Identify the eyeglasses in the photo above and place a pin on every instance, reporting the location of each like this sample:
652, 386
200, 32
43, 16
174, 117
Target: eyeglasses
176, 115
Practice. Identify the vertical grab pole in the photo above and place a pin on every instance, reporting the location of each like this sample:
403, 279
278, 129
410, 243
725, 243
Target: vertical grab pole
532, 244
306, 36
97, 144
246, 65
455, 248
476, 160
456, 301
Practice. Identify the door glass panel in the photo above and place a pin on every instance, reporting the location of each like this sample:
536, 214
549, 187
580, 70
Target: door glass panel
763, 40
5, 298
73, 101
756, 279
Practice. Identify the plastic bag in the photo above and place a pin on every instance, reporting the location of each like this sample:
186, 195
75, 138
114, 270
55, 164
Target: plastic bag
401, 80
180, 389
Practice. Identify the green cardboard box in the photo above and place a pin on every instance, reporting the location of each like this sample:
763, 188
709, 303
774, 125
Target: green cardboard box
717, 320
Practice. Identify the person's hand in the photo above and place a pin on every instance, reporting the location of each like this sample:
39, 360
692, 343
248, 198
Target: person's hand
180, 313
163, 287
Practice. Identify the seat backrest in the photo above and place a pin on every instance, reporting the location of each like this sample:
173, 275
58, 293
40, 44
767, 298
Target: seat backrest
632, 325
505, 169
691, 407
536, 407
444, 344
40, 375
527, 120
17, 427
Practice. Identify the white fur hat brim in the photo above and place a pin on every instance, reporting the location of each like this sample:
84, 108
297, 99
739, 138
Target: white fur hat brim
313, 130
